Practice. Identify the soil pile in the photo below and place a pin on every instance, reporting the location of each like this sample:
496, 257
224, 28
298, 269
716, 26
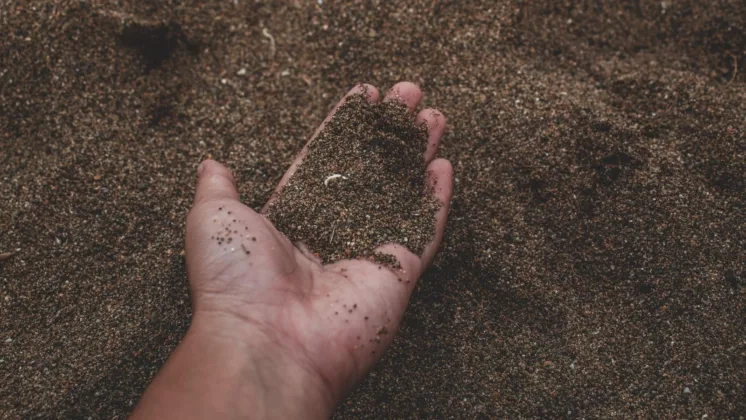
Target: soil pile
361, 185
594, 263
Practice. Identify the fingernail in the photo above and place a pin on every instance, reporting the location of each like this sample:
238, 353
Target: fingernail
200, 168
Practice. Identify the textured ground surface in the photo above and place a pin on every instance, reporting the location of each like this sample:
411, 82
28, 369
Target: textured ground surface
595, 262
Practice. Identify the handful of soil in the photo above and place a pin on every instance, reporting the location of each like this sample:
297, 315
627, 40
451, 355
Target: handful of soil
361, 185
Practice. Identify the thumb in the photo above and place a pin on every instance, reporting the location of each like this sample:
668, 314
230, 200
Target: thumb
214, 182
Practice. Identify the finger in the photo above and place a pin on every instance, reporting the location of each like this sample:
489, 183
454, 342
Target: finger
436, 126
440, 177
214, 182
407, 93
372, 95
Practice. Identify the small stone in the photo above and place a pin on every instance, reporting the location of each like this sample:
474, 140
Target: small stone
687, 390
241, 72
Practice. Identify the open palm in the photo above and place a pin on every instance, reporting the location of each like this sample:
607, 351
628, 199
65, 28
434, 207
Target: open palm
334, 320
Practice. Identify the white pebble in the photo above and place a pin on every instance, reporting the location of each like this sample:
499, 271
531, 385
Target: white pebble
331, 177
687, 390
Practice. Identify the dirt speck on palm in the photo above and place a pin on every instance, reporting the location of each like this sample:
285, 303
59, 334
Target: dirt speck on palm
362, 184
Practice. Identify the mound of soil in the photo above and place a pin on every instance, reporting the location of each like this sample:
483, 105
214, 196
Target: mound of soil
595, 258
361, 185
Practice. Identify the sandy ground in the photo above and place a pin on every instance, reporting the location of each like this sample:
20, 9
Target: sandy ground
595, 262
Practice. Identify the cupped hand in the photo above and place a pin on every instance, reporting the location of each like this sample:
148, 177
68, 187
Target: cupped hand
313, 325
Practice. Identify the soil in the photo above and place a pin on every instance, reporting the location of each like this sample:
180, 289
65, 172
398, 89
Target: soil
362, 184
594, 263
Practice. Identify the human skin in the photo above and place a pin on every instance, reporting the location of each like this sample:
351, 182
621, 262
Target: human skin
274, 333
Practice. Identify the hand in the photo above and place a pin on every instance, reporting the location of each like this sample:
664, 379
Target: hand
309, 331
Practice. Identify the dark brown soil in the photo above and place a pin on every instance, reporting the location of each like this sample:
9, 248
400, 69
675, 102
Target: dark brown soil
362, 184
595, 259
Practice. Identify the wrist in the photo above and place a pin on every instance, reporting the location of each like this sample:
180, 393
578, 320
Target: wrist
260, 367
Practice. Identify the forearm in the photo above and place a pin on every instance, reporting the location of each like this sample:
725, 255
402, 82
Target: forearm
217, 373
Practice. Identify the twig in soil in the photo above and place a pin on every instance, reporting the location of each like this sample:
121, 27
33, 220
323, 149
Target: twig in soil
735, 67
334, 229
272, 47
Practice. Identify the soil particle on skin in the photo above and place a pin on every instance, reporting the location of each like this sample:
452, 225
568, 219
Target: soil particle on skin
385, 259
361, 185
597, 222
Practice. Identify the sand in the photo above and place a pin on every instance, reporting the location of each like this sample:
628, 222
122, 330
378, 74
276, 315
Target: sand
361, 185
595, 259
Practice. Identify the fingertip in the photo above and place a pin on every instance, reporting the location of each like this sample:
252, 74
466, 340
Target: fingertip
405, 92
214, 181
210, 167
